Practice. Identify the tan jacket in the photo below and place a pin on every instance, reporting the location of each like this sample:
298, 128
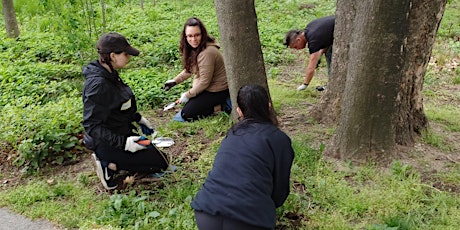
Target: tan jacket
210, 74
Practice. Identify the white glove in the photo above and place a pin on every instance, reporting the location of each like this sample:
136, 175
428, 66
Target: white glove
132, 145
183, 98
302, 87
145, 122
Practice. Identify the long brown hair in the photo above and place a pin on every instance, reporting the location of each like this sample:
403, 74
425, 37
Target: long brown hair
188, 53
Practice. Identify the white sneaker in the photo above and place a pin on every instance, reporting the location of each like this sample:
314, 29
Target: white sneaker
104, 174
302, 87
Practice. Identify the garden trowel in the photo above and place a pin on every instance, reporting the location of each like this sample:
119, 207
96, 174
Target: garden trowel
170, 106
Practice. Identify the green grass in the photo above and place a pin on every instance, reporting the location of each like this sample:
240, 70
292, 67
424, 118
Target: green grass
43, 81
447, 115
62, 201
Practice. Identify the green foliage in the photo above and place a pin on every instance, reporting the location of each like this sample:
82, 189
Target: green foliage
450, 27
432, 138
446, 115
41, 82
153, 209
129, 210
400, 171
51, 131
38, 84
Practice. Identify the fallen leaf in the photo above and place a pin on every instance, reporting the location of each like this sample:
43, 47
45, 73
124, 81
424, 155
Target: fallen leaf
128, 180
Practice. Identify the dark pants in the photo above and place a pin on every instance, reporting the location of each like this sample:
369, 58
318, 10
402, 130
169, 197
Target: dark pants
203, 104
205, 221
150, 160
328, 55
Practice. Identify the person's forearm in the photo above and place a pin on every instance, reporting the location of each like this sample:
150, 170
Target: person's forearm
308, 76
312, 62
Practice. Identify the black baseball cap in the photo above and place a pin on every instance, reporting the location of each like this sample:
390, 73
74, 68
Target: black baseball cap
115, 42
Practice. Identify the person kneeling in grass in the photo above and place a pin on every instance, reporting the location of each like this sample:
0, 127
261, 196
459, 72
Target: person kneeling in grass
109, 110
250, 175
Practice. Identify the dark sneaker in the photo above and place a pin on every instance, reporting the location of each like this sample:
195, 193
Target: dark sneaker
170, 169
321, 88
104, 174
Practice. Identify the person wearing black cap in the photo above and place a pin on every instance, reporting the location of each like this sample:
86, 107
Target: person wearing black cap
109, 110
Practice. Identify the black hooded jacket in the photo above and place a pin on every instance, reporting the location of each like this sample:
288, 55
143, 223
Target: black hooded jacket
109, 107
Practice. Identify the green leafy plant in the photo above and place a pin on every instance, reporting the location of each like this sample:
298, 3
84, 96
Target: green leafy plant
41, 82
52, 131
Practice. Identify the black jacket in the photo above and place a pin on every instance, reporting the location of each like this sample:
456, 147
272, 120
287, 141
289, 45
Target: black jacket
250, 176
109, 107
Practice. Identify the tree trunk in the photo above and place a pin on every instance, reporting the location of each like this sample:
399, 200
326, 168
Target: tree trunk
424, 20
11, 24
242, 52
103, 9
381, 51
328, 109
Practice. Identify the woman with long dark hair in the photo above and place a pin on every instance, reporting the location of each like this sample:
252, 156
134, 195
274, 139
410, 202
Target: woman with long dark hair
201, 57
250, 175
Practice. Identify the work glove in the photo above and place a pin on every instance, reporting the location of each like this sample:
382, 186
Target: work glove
146, 126
169, 84
302, 87
183, 98
132, 145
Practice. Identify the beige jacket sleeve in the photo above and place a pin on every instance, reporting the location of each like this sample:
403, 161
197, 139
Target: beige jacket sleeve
182, 76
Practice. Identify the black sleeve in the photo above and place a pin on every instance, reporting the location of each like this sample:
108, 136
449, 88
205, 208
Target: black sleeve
137, 117
284, 155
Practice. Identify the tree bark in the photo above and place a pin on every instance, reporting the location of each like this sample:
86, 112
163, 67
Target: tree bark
381, 51
328, 109
11, 24
424, 20
103, 9
242, 52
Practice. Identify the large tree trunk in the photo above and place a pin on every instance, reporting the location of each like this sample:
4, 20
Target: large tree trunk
381, 51
328, 109
242, 52
11, 24
425, 17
